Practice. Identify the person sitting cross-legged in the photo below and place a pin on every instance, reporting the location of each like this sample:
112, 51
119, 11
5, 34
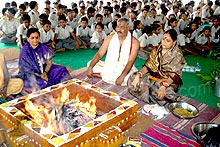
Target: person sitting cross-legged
35, 65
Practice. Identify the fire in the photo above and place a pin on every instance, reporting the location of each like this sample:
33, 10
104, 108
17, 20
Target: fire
49, 115
89, 107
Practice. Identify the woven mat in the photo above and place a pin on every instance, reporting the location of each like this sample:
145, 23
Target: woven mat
206, 113
10, 53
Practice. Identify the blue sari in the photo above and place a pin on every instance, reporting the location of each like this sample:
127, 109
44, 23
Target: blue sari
32, 61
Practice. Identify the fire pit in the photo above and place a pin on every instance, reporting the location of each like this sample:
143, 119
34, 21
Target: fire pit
72, 113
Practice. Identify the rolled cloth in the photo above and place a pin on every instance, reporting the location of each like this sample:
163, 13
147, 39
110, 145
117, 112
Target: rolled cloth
116, 60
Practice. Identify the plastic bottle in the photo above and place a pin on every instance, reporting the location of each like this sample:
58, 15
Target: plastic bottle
198, 67
188, 68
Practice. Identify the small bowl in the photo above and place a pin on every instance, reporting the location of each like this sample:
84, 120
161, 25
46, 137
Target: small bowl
200, 129
186, 106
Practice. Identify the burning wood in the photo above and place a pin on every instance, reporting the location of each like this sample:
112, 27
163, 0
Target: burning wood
62, 115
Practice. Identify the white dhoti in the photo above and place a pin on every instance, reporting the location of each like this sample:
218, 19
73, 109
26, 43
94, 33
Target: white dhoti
115, 61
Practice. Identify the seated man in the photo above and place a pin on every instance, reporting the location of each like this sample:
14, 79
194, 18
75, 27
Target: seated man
122, 50
8, 85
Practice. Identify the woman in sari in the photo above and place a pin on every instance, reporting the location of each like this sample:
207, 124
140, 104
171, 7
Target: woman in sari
35, 65
161, 75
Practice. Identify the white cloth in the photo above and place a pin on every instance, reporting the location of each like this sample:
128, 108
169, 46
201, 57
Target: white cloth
115, 61
63, 33
46, 36
182, 40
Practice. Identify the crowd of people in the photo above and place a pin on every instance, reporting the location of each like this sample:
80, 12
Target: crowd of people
87, 24
160, 33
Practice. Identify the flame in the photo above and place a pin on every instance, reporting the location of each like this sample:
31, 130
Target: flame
89, 107
49, 116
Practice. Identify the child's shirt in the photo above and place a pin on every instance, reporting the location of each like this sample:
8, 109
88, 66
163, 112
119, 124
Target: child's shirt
34, 17
22, 30
63, 33
144, 40
80, 31
202, 39
53, 17
9, 26
73, 23
157, 18
182, 24
39, 26
105, 28
46, 36
182, 40
145, 21
155, 39
96, 36
214, 34
137, 33
194, 35
176, 29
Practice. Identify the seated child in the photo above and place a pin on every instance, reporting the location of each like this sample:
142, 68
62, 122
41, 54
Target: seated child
215, 32
111, 25
46, 34
205, 40
183, 41
195, 33
157, 36
145, 48
183, 22
8, 27
22, 30
138, 26
99, 19
173, 25
72, 19
83, 32
39, 23
62, 38
98, 36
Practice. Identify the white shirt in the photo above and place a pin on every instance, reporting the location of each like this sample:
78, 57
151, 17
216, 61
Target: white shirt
202, 40
73, 23
105, 28
145, 21
182, 24
91, 20
39, 26
215, 37
155, 39
34, 17
144, 40
53, 17
182, 40
63, 33
9, 26
157, 18
96, 36
137, 33
22, 30
80, 31
46, 36
194, 35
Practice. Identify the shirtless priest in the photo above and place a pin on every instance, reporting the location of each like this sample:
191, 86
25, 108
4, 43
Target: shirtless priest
121, 50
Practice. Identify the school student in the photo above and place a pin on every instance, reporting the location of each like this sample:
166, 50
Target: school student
46, 34
84, 33
64, 37
98, 36
183, 40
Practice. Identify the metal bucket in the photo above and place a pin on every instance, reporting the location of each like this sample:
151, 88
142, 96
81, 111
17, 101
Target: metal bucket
217, 87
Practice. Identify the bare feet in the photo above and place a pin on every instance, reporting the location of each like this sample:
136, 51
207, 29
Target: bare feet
60, 50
